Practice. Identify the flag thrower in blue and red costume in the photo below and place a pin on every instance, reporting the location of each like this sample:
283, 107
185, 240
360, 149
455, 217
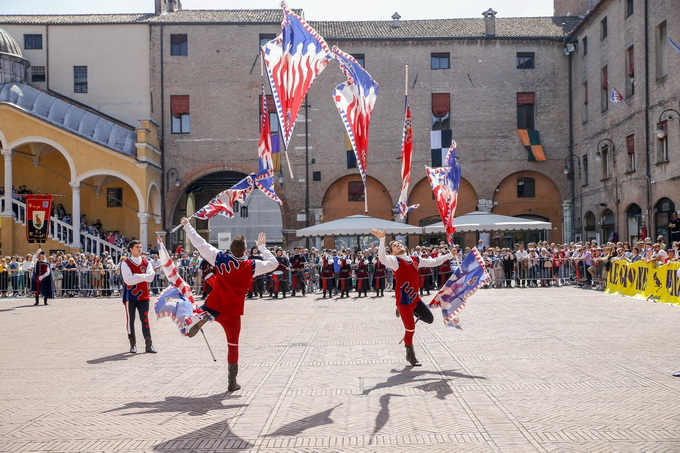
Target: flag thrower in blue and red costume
355, 100
445, 182
406, 153
293, 60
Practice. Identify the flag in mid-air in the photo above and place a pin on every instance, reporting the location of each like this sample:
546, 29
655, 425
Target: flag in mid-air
355, 100
406, 153
177, 300
462, 284
293, 60
616, 97
445, 182
223, 203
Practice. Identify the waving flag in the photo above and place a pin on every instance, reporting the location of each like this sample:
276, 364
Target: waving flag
355, 100
406, 153
445, 182
223, 203
177, 300
462, 284
616, 97
265, 175
293, 60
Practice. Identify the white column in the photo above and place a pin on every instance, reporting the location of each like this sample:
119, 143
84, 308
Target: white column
568, 224
7, 212
75, 215
143, 229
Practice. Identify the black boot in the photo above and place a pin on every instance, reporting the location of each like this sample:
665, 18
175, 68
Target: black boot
233, 372
411, 356
133, 343
45, 301
149, 345
37, 300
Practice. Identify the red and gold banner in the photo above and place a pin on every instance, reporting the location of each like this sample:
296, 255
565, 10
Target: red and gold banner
38, 209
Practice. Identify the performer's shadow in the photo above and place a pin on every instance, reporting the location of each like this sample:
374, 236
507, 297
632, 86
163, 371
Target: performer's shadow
111, 358
10, 309
219, 431
190, 406
298, 426
440, 387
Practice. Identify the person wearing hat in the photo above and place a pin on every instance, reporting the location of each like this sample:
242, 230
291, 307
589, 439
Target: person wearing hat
407, 286
41, 282
137, 273
297, 264
233, 275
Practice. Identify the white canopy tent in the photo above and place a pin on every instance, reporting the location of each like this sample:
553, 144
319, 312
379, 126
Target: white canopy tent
487, 222
358, 225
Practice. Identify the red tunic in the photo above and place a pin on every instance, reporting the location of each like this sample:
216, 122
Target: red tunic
139, 291
231, 285
407, 282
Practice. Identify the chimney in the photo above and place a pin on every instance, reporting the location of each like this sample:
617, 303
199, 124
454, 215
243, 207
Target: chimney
489, 22
395, 20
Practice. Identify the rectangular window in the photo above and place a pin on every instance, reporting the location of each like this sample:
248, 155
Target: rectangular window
629, 8
80, 79
33, 42
179, 44
660, 46
585, 169
662, 143
603, 28
441, 111
630, 72
266, 37
525, 110
114, 197
525, 60
440, 60
526, 187
604, 88
630, 147
316, 176
360, 58
604, 160
273, 117
355, 191
38, 74
179, 110
584, 109
584, 43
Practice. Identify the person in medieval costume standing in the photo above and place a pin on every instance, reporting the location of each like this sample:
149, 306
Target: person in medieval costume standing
407, 286
234, 273
137, 273
41, 282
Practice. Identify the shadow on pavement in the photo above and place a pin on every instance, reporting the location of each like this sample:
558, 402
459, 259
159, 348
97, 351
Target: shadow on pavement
409, 374
298, 426
111, 358
218, 432
188, 405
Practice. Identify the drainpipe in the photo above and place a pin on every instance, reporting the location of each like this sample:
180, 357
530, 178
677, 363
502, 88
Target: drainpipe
647, 129
572, 184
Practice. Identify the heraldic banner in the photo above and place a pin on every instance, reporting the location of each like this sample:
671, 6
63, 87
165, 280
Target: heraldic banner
645, 280
38, 209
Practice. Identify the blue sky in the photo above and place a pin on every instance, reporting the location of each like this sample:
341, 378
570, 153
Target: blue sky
314, 9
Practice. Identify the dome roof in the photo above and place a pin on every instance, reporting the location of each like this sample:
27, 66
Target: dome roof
8, 44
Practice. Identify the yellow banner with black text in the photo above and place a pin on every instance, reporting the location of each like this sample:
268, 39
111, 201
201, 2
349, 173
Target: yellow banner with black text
645, 280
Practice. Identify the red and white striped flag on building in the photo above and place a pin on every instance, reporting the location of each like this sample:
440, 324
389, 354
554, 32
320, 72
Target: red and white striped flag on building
406, 153
445, 182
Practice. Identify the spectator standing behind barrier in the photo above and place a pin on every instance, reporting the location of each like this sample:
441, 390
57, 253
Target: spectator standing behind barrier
13, 268
674, 227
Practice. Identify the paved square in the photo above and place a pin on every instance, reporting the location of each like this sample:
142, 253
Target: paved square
545, 369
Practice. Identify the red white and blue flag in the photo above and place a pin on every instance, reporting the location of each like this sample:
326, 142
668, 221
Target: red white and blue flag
463, 283
406, 153
616, 97
223, 203
177, 300
445, 182
293, 60
265, 174
355, 100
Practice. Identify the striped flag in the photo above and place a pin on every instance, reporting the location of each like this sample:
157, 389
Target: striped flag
177, 300
293, 61
463, 283
531, 140
223, 203
615, 97
406, 153
265, 175
355, 100
445, 182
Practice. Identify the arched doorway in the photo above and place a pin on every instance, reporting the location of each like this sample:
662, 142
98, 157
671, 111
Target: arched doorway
662, 217
608, 227
633, 223
590, 226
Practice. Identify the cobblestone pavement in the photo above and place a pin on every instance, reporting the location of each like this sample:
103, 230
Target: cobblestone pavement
545, 369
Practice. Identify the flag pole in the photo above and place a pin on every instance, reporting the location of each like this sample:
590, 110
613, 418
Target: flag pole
208, 344
174, 230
